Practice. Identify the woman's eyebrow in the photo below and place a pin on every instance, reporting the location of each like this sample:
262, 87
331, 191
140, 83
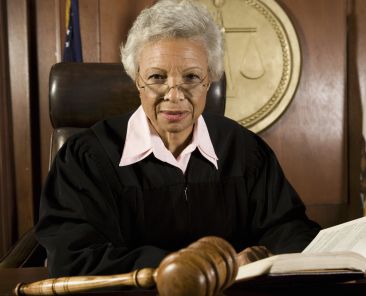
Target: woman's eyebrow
155, 68
193, 68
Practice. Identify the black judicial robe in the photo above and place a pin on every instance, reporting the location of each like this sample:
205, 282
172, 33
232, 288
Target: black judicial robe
99, 218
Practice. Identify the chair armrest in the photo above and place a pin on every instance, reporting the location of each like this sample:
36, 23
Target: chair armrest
25, 252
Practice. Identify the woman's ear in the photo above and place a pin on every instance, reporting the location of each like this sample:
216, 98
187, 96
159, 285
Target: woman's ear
208, 83
139, 88
209, 78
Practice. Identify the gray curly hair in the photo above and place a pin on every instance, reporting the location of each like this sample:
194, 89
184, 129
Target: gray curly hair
174, 19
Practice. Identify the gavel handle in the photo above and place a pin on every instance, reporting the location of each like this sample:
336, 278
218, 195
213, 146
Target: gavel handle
141, 278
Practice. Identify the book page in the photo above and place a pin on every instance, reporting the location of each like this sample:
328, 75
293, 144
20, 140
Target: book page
302, 263
335, 248
349, 236
255, 268
312, 262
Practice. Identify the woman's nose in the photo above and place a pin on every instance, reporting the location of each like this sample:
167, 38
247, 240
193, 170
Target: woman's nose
174, 93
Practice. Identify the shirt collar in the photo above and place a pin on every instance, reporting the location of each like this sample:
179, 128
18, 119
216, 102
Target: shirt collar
139, 140
201, 138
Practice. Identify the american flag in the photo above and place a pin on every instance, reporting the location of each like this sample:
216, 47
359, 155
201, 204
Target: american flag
73, 49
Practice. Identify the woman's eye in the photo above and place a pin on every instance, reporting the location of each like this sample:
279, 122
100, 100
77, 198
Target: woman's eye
156, 78
192, 78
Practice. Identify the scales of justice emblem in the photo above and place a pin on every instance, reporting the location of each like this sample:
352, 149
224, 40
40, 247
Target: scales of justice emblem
262, 59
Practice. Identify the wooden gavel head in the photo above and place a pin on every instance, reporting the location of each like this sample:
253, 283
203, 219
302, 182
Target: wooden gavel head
205, 268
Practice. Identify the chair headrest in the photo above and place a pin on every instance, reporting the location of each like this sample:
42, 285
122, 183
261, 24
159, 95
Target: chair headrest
80, 94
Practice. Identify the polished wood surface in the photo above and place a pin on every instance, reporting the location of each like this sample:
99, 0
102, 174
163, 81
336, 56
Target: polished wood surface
21, 109
310, 139
6, 170
359, 11
355, 24
10, 277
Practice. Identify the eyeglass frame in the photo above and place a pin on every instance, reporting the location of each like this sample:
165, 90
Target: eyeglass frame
178, 85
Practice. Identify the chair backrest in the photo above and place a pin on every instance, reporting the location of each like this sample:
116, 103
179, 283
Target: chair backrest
81, 94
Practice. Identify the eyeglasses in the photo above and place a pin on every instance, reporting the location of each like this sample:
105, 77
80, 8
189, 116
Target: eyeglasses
158, 83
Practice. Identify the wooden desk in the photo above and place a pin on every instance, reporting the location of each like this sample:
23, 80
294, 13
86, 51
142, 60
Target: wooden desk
9, 277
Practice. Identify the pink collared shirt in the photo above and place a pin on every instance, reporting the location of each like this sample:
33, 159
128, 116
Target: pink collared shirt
142, 140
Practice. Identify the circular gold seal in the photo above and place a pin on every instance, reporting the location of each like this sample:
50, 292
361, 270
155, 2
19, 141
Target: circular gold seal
262, 59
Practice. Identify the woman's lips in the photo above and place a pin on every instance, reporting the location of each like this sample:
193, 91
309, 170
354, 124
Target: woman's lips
174, 115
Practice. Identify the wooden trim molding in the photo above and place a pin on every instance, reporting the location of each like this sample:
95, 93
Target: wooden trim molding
19, 69
354, 110
7, 206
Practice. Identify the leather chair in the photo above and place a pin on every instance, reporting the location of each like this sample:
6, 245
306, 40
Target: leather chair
80, 94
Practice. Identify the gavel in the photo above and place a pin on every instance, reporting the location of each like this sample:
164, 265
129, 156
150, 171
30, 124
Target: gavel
205, 268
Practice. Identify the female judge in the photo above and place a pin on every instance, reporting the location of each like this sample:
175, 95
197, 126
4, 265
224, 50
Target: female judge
132, 189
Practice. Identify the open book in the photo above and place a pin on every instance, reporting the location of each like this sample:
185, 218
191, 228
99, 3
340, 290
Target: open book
338, 250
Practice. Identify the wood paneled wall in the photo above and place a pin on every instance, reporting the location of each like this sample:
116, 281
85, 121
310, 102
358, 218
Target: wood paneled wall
317, 140
104, 25
310, 140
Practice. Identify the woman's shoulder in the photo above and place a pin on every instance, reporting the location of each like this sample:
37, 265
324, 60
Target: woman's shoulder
113, 128
230, 138
106, 136
221, 127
